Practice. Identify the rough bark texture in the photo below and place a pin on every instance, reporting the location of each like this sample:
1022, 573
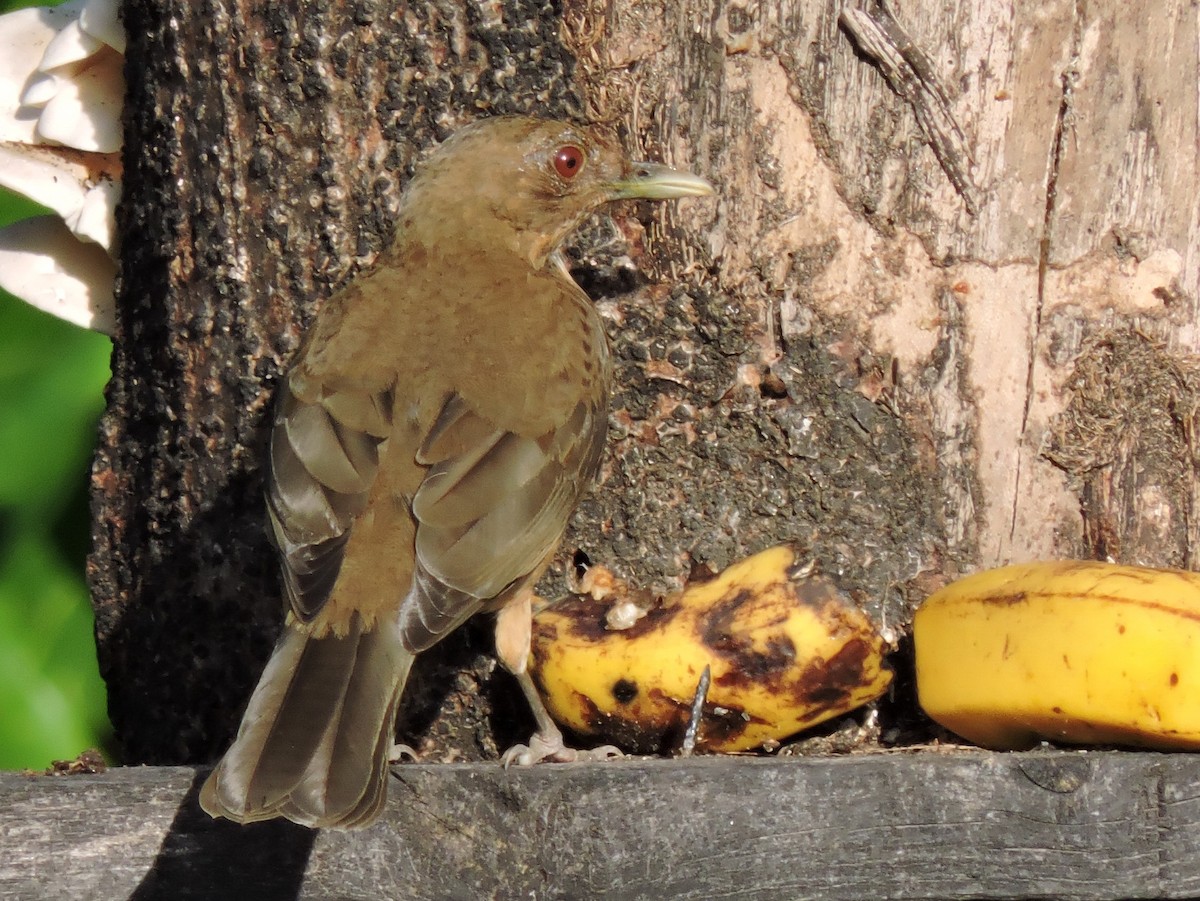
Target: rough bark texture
839, 232
834, 351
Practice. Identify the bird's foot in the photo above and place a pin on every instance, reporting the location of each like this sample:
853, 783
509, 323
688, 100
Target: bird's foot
550, 748
399, 752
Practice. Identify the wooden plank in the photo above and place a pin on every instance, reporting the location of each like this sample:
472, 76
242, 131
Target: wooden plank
897, 825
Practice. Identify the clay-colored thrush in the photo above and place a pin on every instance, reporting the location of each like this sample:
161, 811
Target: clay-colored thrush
438, 426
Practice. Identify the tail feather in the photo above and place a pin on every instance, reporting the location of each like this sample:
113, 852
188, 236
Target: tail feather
292, 710
342, 767
313, 744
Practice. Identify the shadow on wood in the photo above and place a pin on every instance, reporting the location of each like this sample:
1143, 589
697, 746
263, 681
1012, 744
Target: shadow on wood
204, 858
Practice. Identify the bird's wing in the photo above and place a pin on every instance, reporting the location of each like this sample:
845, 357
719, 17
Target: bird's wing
491, 509
325, 450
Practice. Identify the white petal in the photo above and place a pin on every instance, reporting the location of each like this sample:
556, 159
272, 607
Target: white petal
99, 18
96, 219
24, 35
65, 181
42, 263
71, 45
43, 177
86, 110
40, 89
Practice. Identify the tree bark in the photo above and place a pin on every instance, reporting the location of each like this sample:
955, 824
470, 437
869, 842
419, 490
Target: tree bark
933, 322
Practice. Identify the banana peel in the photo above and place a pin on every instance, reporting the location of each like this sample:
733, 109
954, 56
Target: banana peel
1070, 651
787, 650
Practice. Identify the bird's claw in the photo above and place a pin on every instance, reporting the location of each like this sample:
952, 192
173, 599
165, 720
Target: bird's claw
604, 752
543, 748
399, 752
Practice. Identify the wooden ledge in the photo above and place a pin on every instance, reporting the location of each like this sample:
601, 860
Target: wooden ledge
1067, 825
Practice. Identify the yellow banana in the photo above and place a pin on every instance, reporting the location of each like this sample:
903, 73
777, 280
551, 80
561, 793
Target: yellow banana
1070, 651
786, 649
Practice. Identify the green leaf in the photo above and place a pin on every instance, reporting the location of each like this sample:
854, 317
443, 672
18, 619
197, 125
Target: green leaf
52, 377
52, 700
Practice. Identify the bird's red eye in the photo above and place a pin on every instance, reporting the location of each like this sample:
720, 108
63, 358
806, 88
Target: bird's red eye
568, 160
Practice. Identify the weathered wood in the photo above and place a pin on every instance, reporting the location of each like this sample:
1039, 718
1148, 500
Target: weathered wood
929, 825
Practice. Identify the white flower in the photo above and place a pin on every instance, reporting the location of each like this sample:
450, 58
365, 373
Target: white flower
83, 188
61, 93
45, 264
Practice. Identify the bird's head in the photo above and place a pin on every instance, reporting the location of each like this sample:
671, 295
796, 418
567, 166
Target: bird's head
525, 183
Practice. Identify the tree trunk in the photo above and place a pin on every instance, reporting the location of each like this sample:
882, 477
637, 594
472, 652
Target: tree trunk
940, 317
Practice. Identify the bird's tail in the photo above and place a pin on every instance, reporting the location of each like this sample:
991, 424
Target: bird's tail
313, 746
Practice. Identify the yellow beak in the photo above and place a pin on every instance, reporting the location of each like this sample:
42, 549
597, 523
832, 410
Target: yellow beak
652, 181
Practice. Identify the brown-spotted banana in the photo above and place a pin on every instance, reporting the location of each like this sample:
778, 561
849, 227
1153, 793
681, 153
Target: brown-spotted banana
787, 650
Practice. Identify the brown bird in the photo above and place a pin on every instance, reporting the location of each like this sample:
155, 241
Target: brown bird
440, 422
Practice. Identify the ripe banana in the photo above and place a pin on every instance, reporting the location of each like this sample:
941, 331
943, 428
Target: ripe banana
1071, 651
786, 649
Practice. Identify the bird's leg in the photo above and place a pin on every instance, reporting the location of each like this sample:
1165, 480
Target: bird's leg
513, 637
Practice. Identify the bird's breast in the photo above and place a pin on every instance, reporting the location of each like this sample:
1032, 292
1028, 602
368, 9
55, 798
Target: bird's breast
521, 345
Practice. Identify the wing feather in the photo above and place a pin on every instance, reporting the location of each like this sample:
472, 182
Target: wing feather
456, 490
491, 510
322, 471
